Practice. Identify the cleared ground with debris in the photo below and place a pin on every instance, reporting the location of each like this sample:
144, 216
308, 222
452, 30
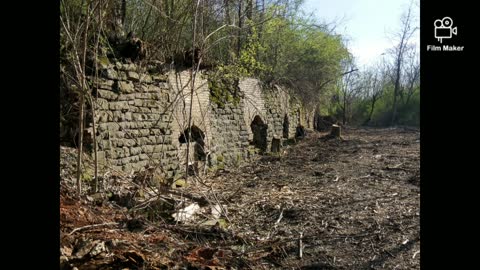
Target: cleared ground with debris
353, 203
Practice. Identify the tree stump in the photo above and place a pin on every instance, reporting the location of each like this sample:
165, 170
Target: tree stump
300, 132
336, 131
275, 144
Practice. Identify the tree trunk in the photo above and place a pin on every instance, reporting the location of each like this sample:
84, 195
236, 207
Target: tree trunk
92, 101
336, 131
95, 147
395, 94
261, 19
119, 13
231, 44
227, 12
83, 84
240, 25
275, 144
249, 10
372, 107
192, 89
80, 146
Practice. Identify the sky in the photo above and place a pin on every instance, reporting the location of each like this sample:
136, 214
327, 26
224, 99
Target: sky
367, 24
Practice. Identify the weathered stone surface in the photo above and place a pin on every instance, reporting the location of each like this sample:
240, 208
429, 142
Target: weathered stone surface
124, 125
156, 132
102, 104
141, 164
118, 105
127, 167
163, 85
137, 117
158, 156
148, 149
119, 134
158, 148
117, 143
171, 154
122, 76
126, 150
101, 157
104, 145
128, 97
159, 140
146, 78
104, 84
133, 76
101, 116
118, 153
108, 126
166, 118
127, 67
110, 74
165, 97
135, 150
128, 116
144, 132
168, 140
130, 142
153, 88
125, 87
106, 94
160, 78
137, 120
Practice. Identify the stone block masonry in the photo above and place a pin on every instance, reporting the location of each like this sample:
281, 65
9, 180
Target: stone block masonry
142, 118
135, 120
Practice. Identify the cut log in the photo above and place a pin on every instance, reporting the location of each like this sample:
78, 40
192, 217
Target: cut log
336, 131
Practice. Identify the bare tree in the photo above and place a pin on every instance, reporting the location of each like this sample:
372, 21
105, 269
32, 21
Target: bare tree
399, 52
374, 80
76, 22
76, 34
350, 86
412, 76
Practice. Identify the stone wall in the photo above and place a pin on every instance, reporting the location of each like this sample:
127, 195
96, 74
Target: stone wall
142, 118
134, 120
275, 107
229, 135
180, 87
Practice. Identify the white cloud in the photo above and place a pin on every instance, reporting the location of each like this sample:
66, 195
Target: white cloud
369, 51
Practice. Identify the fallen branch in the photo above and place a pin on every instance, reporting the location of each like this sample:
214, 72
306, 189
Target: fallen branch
300, 246
92, 226
200, 200
279, 218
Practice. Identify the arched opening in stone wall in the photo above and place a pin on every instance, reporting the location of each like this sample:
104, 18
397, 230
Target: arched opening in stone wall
196, 137
259, 130
286, 126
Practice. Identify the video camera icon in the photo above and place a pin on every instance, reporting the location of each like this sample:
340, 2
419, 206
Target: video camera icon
443, 28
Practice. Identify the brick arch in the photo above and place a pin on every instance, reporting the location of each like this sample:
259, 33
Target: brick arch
196, 136
259, 130
286, 126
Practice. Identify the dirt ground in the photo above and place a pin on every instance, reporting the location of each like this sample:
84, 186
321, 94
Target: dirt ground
352, 203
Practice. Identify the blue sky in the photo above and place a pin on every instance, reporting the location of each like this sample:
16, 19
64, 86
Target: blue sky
366, 23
